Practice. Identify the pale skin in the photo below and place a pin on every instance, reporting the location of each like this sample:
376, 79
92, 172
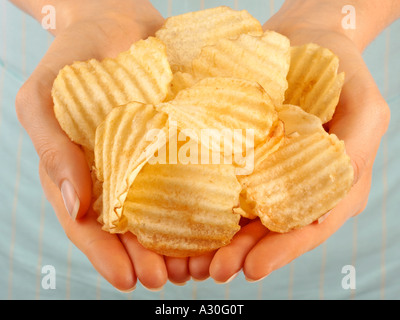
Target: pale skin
102, 28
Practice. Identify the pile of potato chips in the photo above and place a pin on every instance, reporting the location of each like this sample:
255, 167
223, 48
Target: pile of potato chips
213, 69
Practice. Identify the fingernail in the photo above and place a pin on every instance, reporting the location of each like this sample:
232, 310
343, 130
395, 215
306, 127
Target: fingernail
252, 280
321, 219
71, 200
229, 280
200, 279
154, 289
180, 284
128, 290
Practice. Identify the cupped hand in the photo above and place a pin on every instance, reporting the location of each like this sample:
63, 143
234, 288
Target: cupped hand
361, 119
89, 29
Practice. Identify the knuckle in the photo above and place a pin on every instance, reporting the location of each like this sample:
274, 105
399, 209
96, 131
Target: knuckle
68, 230
362, 208
21, 102
49, 156
32, 95
381, 114
359, 162
384, 116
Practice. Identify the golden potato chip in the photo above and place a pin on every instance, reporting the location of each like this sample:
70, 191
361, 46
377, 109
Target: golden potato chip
97, 186
126, 139
183, 209
313, 81
85, 92
273, 142
264, 59
97, 196
185, 35
296, 120
226, 105
276, 138
180, 81
245, 209
89, 156
301, 181
215, 78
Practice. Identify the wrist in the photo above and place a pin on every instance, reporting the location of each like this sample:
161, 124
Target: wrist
34, 7
69, 12
359, 20
38, 9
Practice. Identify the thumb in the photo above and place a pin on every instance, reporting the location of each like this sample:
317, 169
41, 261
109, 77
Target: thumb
64, 161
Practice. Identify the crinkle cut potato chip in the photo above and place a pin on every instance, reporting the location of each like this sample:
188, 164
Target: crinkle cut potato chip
185, 35
296, 120
300, 182
313, 81
273, 142
263, 151
216, 75
85, 92
264, 59
123, 146
183, 210
180, 81
224, 104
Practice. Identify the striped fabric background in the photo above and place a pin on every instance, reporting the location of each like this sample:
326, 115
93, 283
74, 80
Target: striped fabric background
31, 237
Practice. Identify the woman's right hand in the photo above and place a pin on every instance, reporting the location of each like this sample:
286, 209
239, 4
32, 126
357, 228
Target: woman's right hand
85, 30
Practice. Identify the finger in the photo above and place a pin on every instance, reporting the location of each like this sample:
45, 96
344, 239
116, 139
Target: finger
149, 266
278, 249
178, 270
228, 260
63, 161
104, 250
199, 266
361, 119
